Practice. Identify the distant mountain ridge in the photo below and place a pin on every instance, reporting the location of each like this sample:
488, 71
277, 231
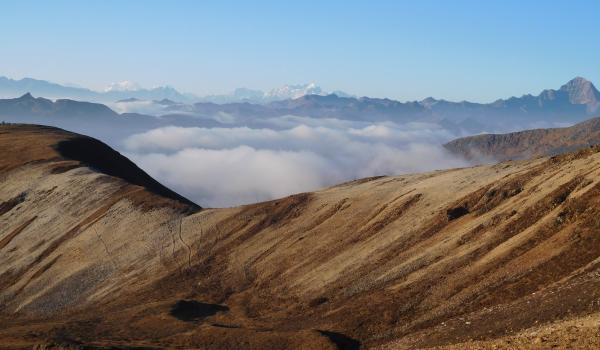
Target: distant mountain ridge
128, 90
85, 117
89, 117
10, 88
285, 92
575, 101
528, 143
28, 106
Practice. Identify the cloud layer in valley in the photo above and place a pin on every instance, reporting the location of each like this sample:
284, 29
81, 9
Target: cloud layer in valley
219, 167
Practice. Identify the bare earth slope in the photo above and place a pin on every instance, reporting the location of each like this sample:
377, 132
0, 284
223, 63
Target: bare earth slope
491, 256
529, 143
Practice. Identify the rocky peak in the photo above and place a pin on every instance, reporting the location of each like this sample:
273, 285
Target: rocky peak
428, 102
581, 91
27, 96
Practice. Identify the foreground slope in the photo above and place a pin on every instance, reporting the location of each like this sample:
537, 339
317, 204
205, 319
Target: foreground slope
476, 257
528, 143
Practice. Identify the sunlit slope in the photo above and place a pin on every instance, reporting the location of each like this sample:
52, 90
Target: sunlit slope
528, 143
409, 261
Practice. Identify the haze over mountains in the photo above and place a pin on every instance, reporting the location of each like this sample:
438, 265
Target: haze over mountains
575, 101
309, 142
14, 88
285, 92
10, 88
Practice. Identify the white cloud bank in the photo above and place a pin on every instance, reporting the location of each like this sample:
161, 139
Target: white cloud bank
140, 106
230, 166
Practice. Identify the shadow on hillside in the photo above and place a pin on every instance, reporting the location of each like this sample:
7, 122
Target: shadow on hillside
191, 310
101, 157
343, 342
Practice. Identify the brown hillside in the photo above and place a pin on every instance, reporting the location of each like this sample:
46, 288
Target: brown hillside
527, 144
491, 256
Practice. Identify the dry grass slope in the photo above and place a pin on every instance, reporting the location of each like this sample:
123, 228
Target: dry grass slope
487, 257
529, 143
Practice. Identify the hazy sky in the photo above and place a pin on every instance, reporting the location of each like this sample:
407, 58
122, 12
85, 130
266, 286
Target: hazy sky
474, 50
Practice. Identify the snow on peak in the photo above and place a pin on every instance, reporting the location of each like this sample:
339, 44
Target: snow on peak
124, 85
294, 91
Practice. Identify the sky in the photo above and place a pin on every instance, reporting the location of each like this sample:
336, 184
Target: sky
406, 50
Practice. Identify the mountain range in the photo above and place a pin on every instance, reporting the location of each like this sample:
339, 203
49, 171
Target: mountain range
285, 92
13, 88
85, 117
124, 90
575, 101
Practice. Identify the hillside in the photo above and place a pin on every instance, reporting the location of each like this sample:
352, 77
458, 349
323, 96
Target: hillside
527, 144
490, 256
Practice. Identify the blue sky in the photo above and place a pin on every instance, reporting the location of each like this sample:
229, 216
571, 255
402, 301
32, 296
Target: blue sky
473, 50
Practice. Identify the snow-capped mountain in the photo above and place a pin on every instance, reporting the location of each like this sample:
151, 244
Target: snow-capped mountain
126, 89
124, 85
293, 91
285, 92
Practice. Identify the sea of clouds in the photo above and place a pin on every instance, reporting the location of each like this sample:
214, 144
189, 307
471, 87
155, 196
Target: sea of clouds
220, 167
